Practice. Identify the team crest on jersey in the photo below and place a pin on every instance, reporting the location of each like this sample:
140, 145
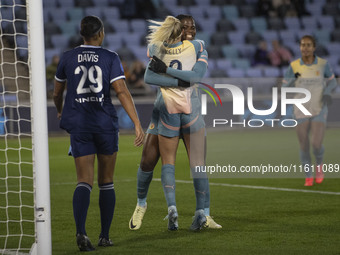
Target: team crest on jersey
317, 73
152, 126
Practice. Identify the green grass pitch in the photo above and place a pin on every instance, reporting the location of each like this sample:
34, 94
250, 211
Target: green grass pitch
255, 221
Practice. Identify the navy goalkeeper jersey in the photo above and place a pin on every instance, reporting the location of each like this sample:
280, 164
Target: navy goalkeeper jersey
89, 72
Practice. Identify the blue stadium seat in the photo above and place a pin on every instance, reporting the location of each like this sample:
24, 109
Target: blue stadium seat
49, 3
214, 12
101, 3
175, 10
204, 36
214, 52
217, 73
96, 11
49, 53
132, 39
229, 52
258, 24
60, 41
120, 26
219, 38
58, 15
75, 14
69, 28
230, 12
333, 60
237, 37
309, 22
248, 11
315, 8
303, 32
333, 48
197, 12
287, 36
292, 23
241, 24
241, 63
207, 24
271, 72
246, 50
223, 63
235, 73
114, 41
170, 4
138, 26
65, 4
275, 23
203, 3
326, 22
269, 36
322, 36
254, 72
111, 13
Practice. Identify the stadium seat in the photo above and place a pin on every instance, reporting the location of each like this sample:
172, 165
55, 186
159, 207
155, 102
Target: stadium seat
175, 10
114, 40
203, 3
49, 53
247, 11
58, 15
315, 8
60, 41
69, 28
336, 35
292, 23
120, 26
331, 9
253, 37
75, 14
271, 72
309, 22
101, 3
96, 11
322, 36
241, 24
211, 64
303, 32
230, 12
131, 39
65, 4
333, 47
217, 73
254, 72
235, 73
225, 25
214, 52
287, 36
207, 25
241, 63
223, 64
203, 36
170, 4
237, 37
138, 26
269, 36
111, 13
326, 22
219, 38
275, 23
333, 60
229, 52
219, 2
84, 3
214, 12
321, 51
246, 50
197, 12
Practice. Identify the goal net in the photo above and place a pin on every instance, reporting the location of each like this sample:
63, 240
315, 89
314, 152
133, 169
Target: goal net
22, 210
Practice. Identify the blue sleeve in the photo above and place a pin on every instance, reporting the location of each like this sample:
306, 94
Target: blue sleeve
197, 72
153, 78
331, 83
60, 73
289, 77
117, 71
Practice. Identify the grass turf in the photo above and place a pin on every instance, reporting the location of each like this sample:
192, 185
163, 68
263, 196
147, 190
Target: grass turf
255, 221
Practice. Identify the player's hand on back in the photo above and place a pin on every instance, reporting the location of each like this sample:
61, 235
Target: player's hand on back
156, 65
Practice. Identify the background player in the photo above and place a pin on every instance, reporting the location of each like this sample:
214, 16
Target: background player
151, 154
312, 73
90, 118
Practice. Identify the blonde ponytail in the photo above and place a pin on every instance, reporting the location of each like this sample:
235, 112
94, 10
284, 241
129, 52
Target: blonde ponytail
167, 31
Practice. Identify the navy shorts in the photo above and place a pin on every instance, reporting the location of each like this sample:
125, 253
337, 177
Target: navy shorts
93, 143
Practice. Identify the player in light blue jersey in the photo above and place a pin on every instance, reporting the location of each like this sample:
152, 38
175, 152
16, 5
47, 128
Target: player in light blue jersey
151, 154
88, 115
315, 74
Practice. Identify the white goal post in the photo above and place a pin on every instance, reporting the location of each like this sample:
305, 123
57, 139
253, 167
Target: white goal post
25, 211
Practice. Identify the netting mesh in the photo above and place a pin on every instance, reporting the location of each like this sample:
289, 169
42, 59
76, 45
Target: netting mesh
17, 227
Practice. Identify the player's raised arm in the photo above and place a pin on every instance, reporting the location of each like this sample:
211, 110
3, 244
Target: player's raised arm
126, 100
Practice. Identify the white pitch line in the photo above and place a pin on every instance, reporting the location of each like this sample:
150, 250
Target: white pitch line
263, 187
